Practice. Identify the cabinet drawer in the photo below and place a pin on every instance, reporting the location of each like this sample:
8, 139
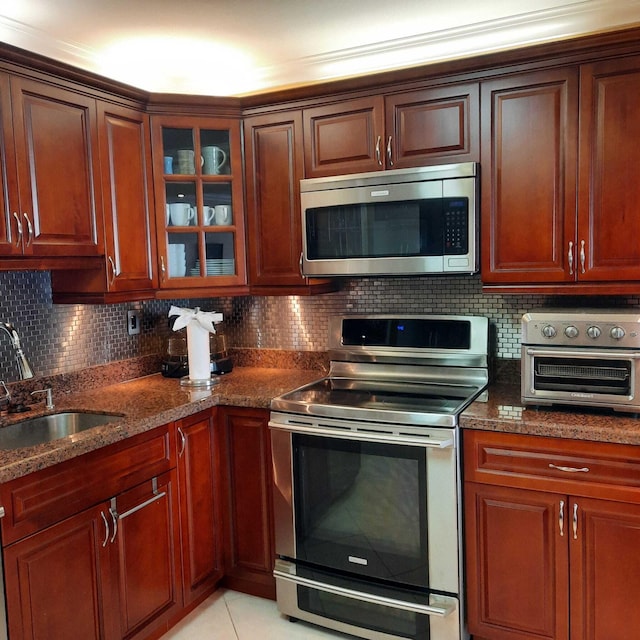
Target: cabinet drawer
553, 464
40, 499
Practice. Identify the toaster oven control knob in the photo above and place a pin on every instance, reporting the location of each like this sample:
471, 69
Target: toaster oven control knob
617, 333
594, 332
571, 331
549, 331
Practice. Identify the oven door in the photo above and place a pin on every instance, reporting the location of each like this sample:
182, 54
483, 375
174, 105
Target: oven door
580, 377
366, 526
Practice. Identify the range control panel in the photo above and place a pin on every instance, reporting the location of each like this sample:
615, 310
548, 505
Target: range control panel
596, 328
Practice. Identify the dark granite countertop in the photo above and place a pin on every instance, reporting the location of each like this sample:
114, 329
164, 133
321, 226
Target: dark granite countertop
146, 403
151, 401
505, 412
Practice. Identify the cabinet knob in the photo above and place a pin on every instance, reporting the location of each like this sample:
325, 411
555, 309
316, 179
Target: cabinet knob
389, 153
378, 156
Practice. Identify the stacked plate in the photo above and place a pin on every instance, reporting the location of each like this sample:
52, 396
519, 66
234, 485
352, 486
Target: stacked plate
216, 267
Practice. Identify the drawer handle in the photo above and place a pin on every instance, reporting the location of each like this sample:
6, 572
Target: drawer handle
569, 469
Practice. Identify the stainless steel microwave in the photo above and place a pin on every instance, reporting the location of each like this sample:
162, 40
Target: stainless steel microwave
398, 222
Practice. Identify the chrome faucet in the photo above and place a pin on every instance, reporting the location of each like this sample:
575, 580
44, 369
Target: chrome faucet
24, 368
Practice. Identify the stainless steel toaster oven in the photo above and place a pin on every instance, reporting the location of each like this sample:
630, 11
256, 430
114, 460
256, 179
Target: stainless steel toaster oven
589, 358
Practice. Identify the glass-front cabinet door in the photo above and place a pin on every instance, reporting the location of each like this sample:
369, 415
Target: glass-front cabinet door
199, 203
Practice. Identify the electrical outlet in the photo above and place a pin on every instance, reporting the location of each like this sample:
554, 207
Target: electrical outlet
133, 322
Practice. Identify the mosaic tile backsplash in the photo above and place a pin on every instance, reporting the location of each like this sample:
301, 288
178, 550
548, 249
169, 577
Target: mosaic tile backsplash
63, 338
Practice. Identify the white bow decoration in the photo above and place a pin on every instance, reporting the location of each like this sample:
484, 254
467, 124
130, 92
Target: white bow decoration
199, 325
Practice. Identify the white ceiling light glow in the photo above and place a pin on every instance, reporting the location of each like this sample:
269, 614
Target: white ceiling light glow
218, 47
169, 64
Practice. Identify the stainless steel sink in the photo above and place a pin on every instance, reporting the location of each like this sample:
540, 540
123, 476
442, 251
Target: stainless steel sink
33, 431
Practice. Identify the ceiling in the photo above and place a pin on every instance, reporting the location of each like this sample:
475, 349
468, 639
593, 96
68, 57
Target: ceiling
240, 47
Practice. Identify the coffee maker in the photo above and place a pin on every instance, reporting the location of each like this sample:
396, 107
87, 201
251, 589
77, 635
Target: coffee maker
220, 360
176, 361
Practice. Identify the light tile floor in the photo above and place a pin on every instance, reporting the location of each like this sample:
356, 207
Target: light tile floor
229, 615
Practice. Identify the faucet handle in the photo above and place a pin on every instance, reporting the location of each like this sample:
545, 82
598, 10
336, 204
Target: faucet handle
49, 391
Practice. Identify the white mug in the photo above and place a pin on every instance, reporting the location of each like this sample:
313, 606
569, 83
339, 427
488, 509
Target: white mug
214, 158
223, 214
182, 213
208, 215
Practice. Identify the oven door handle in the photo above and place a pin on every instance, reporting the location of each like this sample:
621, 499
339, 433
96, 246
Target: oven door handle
432, 442
571, 353
445, 608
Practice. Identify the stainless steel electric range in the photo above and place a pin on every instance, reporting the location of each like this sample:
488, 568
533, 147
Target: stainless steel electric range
367, 478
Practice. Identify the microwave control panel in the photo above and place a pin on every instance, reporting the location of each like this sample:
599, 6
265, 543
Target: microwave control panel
456, 232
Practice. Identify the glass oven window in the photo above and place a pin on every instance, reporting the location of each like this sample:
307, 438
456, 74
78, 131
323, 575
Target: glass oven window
360, 507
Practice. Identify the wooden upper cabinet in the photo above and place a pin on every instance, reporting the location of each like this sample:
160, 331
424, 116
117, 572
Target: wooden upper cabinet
432, 126
409, 129
529, 149
56, 149
199, 200
344, 137
128, 270
125, 158
10, 222
274, 164
608, 214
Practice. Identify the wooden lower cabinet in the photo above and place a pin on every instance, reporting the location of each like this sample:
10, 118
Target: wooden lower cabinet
108, 572
552, 529
246, 464
517, 565
122, 542
58, 581
200, 517
117, 544
147, 575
